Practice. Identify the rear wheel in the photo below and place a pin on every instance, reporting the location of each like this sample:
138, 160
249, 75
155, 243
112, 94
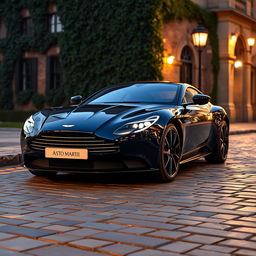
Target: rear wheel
48, 174
170, 151
220, 152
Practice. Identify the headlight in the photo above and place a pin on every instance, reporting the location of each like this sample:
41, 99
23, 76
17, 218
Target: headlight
29, 125
33, 124
137, 126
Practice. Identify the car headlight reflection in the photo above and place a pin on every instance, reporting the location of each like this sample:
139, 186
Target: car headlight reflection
33, 124
135, 127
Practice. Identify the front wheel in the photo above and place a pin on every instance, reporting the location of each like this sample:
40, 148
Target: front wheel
47, 174
170, 152
220, 152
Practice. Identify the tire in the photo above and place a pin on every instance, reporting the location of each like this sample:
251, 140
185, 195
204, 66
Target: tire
220, 152
170, 152
48, 174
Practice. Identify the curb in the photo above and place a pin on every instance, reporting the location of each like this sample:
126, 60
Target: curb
16, 159
242, 132
10, 160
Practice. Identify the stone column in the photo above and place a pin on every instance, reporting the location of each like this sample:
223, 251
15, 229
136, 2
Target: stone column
226, 86
247, 105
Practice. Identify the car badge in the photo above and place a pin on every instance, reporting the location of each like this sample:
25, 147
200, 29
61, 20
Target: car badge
68, 125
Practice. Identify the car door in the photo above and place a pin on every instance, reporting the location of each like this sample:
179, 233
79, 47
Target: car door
197, 124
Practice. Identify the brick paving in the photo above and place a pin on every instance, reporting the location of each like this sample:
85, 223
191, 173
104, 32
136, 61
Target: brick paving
208, 210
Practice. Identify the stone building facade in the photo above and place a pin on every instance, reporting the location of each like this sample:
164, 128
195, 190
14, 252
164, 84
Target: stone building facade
35, 71
236, 86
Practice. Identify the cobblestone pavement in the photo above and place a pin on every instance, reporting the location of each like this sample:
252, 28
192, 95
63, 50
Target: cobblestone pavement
9, 141
208, 210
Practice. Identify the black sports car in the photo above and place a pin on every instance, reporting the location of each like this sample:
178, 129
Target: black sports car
139, 126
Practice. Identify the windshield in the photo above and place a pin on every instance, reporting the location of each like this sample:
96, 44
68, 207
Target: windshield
137, 93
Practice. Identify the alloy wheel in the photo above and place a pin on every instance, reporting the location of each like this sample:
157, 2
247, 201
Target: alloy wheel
171, 150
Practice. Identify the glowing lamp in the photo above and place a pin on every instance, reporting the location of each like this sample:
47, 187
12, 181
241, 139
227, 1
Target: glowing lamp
170, 59
200, 36
251, 41
238, 64
233, 37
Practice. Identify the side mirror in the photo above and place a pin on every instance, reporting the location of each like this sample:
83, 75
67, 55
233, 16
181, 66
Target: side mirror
75, 100
201, 99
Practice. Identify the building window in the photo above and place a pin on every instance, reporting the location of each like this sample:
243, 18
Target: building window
186, 70
241, 5
27, 26
3, 30
53, 23
53, 72
26, 74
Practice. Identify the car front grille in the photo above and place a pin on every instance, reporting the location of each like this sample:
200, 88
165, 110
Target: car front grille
93, 143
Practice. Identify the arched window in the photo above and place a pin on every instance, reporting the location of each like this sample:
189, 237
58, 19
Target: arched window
186, 70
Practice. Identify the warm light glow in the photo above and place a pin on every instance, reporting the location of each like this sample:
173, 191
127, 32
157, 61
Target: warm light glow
233, 37
251, 41
238, 64
200, 39
170, 59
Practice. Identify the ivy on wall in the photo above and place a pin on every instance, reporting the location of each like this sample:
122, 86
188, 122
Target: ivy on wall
104, 42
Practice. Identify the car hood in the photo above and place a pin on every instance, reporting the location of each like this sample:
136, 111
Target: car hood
91, 118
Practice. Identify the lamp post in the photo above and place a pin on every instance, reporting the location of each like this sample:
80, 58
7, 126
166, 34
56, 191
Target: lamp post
251, 42
199, 37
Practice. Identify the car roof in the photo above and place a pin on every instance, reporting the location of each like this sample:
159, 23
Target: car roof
148, 82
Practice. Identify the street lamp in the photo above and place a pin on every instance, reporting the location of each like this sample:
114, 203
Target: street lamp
251, 42
199, 37
238, 64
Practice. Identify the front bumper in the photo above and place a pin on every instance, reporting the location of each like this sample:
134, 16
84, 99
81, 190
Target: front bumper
136, 152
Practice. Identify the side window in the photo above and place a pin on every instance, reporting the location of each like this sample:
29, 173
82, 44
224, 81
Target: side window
190, 92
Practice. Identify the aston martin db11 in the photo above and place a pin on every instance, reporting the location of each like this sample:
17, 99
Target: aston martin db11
132, 127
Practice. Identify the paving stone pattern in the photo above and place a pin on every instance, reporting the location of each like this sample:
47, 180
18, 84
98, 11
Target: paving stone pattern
209, 210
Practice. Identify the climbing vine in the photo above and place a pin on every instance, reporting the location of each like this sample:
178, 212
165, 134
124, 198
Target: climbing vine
103, 42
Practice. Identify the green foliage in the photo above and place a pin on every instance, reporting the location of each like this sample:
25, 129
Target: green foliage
11, 125
38, 101
14, 115
23, 97
6, 98
54, 97
104, 42
118, 41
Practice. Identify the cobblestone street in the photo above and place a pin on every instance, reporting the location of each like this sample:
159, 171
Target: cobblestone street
208, 210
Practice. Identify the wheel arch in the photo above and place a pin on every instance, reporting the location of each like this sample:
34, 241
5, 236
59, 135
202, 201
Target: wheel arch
177, 123
227, 120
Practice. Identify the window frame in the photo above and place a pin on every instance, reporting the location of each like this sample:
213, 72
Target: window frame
27, 26
27, 74
54, 72
53, 23
186, 64
3, 29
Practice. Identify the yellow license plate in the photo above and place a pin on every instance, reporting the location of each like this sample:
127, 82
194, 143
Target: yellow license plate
66, 153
